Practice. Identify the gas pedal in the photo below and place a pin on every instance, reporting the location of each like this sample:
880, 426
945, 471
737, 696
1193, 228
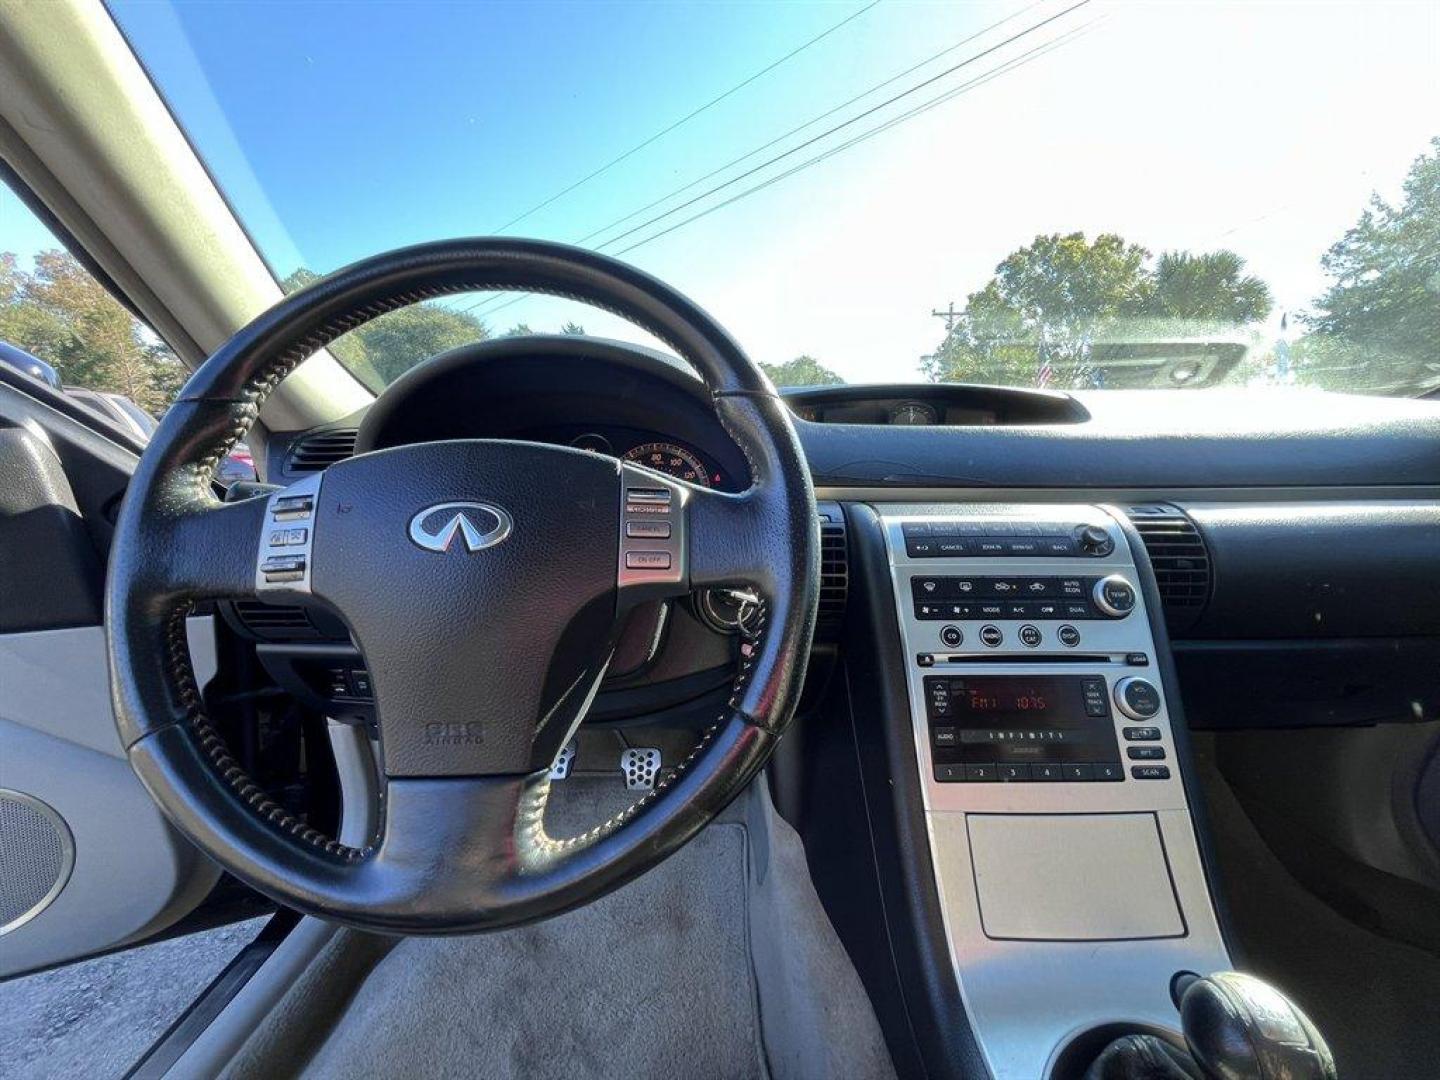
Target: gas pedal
641, 767
563, 761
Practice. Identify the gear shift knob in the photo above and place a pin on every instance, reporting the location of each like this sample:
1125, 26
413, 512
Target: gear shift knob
1240, 1028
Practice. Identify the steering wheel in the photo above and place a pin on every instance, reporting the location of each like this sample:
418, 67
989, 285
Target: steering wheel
483, 580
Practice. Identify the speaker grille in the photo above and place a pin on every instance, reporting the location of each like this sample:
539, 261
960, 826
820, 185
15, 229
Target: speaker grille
36, 855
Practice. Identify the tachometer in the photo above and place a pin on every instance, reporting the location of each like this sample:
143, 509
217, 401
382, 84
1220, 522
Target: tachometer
670, 459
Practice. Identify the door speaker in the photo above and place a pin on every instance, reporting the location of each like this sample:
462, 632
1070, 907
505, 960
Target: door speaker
37, 854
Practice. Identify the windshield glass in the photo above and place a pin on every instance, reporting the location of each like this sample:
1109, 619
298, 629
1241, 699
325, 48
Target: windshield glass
1071, 195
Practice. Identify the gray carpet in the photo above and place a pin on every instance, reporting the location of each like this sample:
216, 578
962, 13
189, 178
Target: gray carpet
719, 963
1371, 997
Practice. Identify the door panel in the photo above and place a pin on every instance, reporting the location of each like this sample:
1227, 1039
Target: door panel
87, 863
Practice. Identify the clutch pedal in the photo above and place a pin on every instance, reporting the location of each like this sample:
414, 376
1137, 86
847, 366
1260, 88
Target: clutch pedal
566, 758
641, 766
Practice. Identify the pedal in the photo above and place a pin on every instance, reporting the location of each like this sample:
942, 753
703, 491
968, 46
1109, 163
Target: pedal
641, 766
566, 758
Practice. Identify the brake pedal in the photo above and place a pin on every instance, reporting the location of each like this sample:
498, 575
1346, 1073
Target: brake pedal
566, 758
641, 766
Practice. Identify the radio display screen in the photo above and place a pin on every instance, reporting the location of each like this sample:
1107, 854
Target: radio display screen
1003, 719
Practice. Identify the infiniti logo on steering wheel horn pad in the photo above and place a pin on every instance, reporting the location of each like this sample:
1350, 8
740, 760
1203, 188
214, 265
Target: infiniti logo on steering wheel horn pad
481, 524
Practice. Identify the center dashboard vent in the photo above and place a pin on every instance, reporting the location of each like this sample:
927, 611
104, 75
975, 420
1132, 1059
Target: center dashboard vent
1180, 560
321, 449
834, 571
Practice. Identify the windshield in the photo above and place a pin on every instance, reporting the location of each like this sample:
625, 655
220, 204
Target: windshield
1068, 195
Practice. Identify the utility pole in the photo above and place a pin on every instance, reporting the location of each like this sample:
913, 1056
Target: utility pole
949, 315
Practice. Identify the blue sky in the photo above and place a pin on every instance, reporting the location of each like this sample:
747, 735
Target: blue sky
341, 129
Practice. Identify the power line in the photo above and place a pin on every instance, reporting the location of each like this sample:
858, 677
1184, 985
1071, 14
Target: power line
1010, 65
813, 120
1005, 68
816, 138
854, 119
687, 118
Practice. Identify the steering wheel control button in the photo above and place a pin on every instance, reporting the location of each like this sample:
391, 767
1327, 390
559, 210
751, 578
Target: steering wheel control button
1094, 541
991, 636
1137, 698
292, 507
1150, 772
647, 495
1145, 753
1142, 734
952, 636
1029, 636
1114, 596
279, 568
650, 530
1068, 635
647, 560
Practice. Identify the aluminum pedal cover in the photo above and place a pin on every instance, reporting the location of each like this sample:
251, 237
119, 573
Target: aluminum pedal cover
641, 766
566, 758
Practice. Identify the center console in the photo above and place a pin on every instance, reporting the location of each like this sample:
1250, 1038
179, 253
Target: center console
1066, 860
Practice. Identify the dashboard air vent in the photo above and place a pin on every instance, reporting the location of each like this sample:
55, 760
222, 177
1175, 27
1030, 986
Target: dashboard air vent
279, 622
1179, 557
320, 449
834, 571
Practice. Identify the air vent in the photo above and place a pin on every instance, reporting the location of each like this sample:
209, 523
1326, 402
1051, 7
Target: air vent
275, 622
320, 449
834, 571
1178, 555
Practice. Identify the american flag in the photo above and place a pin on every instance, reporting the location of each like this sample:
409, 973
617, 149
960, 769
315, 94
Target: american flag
1046, 374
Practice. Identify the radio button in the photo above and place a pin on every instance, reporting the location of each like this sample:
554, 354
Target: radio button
1137, 698
1145, 753
1150, 772
991, 636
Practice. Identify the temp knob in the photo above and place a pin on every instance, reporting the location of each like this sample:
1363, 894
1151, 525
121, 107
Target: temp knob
1094, 540
1137, 698
1114, 596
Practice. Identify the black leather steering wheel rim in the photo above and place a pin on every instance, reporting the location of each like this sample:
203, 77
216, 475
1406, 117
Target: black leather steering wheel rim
464, 849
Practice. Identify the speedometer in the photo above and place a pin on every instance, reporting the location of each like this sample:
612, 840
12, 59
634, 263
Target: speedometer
670, 459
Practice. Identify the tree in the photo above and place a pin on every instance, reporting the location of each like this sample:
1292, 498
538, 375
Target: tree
802, 371
519, 330
60, 313
1377, 326
386, 347
1039, 319
572, 328
1210, 287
